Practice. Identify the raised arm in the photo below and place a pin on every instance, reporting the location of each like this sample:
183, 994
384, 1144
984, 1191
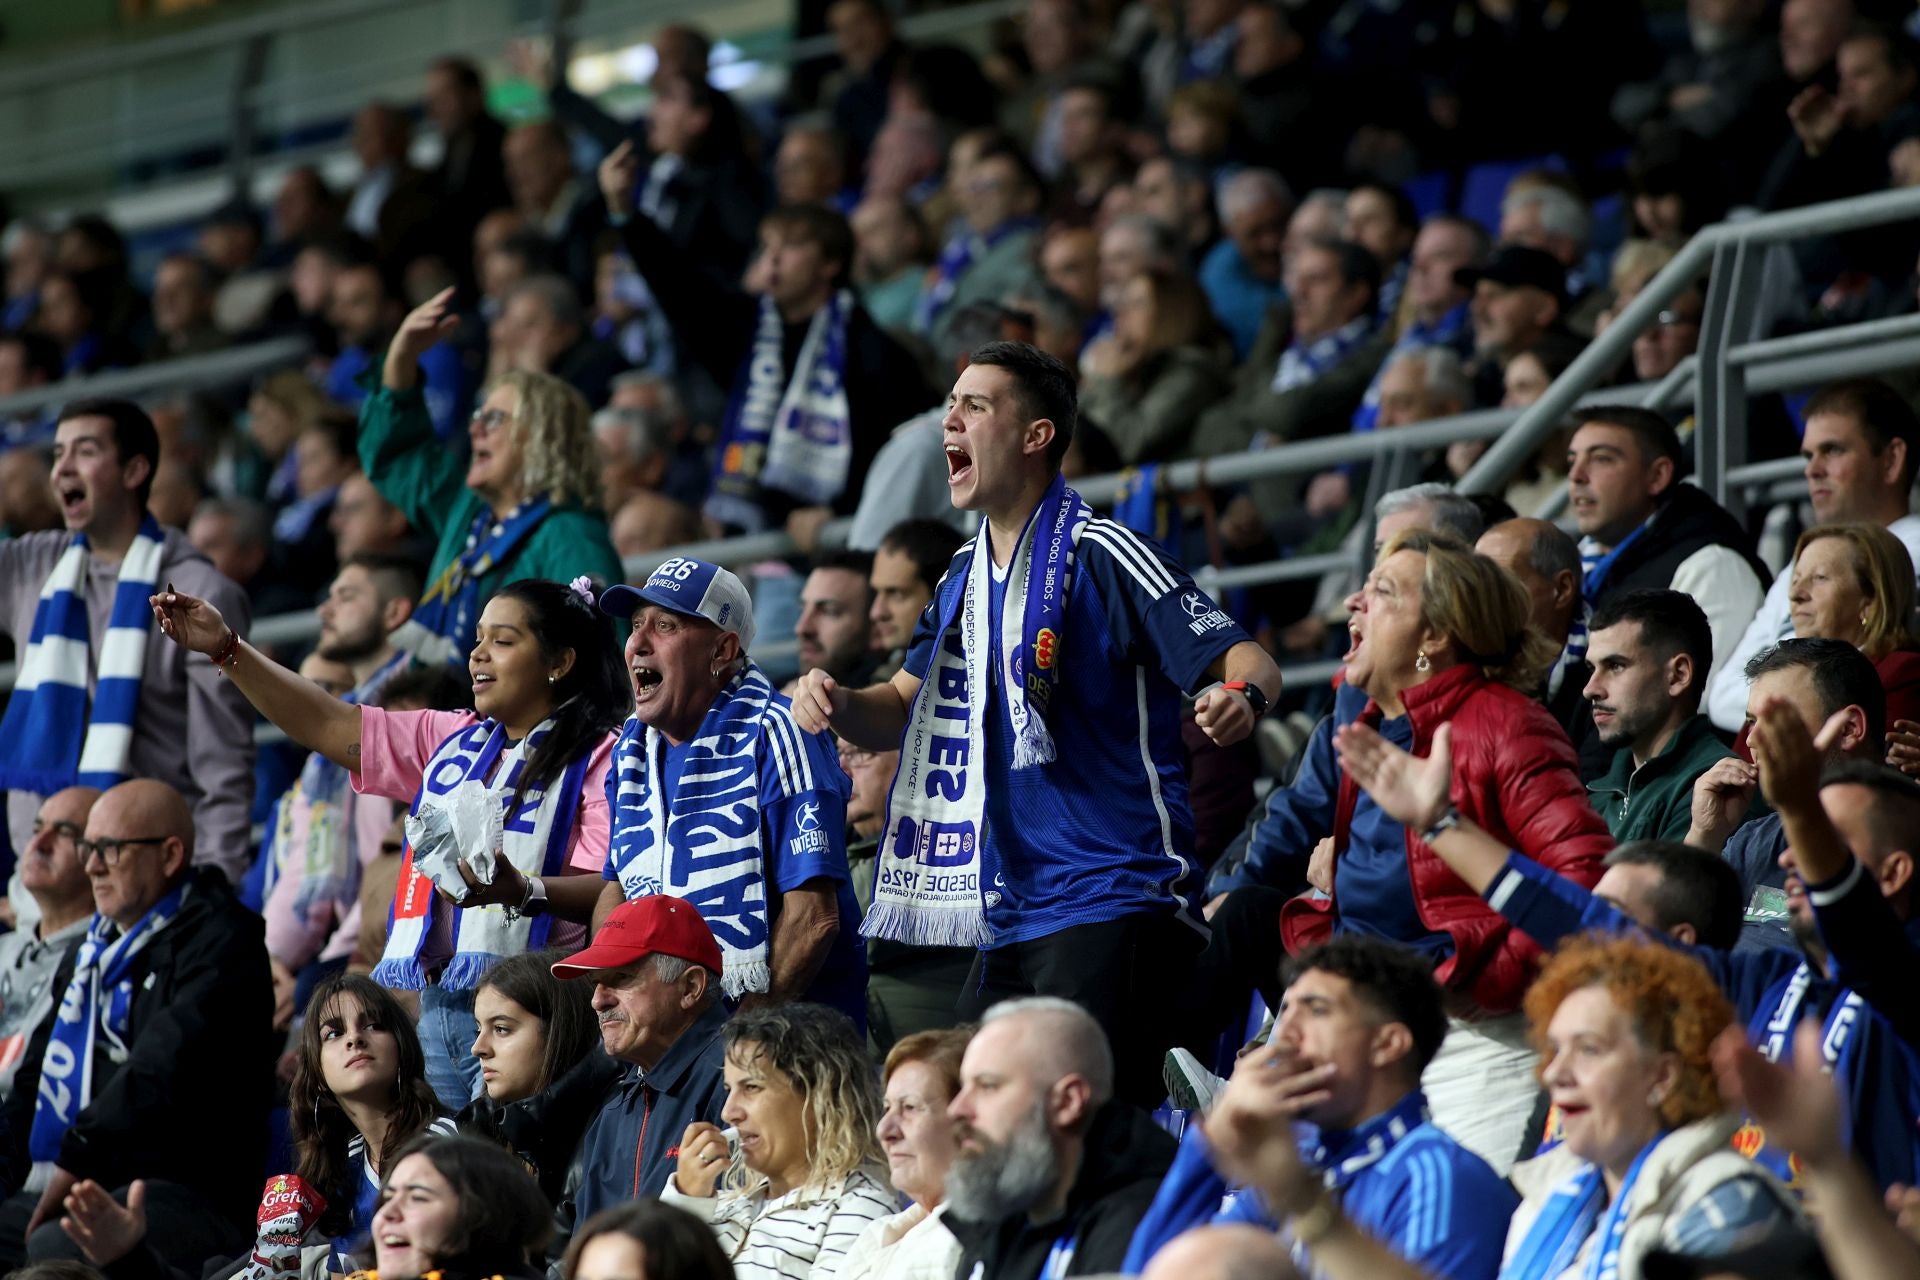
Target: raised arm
404, 459
307, 713
1416, 793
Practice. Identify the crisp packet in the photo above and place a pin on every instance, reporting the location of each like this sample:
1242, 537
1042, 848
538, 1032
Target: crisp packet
288, 1210
465, 828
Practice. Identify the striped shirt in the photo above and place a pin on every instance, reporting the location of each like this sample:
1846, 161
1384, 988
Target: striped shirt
802, 1235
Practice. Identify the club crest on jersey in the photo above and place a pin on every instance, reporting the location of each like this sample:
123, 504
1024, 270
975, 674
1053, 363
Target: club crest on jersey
1202, 616
1045, 648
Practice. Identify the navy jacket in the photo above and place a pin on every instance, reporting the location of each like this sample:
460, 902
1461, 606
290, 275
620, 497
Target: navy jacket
632, 1146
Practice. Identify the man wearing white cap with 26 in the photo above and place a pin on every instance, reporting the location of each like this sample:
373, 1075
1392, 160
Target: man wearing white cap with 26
718, 797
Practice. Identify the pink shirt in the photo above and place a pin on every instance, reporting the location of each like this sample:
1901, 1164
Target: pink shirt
396, 745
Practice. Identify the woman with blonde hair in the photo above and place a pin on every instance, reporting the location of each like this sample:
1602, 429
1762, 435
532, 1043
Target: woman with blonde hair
1854, 582
524, 504
921, 1077
1625, 1028
1162, 366
797, 1177
1440, 636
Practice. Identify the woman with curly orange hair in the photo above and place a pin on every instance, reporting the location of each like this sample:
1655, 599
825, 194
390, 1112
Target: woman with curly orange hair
1624, 1026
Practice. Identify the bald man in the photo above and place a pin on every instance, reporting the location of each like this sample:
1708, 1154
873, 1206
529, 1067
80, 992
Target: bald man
1047, 1159
1236, 1252
169, 1001
1547, 562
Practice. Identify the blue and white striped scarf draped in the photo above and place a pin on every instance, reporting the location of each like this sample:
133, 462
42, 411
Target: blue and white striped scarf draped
96, 1003
714, 808
1301, 363
1573, 1212
329, 863
49, 740
956, 259
1454, 331
791, 434
533, 836
441, 629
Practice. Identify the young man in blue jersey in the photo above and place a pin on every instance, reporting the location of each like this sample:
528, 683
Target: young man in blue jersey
1359, 1022
1852, 967
1040, 810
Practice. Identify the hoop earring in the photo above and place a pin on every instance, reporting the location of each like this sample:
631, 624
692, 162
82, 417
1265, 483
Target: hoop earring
1420, 662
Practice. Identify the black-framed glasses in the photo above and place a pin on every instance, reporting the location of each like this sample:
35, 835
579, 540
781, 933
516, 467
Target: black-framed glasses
110, 848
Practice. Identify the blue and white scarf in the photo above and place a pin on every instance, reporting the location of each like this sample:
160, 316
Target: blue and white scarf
49, 740
329, 863
442, 628
1771, 1031
714, 809
533, 837
96, 1004
1454, 331
961, 252
1302, 363
928, 890
1572, 1213
790, 434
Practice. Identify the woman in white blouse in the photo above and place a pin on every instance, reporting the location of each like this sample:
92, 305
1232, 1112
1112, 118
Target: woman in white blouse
921, 1076
801, 1179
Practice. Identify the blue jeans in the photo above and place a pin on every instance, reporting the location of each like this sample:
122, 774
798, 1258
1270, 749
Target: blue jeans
447, 1030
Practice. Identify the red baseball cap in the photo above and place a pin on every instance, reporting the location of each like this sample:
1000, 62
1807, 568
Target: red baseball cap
654, 925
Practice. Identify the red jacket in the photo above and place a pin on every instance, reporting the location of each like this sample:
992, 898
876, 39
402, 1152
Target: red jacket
1515, 774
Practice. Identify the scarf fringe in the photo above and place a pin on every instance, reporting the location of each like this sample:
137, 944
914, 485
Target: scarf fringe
744, 979
927, 928
467, 969
400, 974
1034, 746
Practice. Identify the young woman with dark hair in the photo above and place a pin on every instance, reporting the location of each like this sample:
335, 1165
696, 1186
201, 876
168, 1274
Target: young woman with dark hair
359, 1093
540, 1064
548, 692
644, 1240
457, 1208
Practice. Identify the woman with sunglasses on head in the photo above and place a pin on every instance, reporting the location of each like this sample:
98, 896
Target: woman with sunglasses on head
548, 692
524, 503
540, 1064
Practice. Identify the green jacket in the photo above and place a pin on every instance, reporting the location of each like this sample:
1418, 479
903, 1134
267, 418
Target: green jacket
1655, 801
427, 481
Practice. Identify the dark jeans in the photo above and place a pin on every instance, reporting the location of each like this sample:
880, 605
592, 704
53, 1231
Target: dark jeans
1244, 956
1127, 973
183, 1228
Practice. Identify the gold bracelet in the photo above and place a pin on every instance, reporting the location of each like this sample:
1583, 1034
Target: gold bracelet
1317, 1222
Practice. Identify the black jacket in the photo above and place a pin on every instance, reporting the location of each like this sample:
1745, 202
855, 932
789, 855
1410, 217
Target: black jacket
715, 328
545, 1130
189, 1104
1125, 1157
1686, 522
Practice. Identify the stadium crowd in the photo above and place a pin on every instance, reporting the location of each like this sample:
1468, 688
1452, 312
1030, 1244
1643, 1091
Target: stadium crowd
963, 895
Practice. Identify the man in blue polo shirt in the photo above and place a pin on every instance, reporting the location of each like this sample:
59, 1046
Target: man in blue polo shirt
715, 795
1369, 1011
1040, 808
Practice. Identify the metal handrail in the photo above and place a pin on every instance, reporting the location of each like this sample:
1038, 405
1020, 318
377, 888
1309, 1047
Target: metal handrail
1606, 351
216, 368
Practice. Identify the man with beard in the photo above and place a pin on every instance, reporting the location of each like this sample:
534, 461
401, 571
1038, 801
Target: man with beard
323, 830
1650, 651
1051, 1173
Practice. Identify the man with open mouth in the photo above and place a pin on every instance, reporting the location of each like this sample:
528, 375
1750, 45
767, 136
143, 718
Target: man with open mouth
102, 696
719, 798
1040, 808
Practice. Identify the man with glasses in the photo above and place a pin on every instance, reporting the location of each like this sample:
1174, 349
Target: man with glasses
50, 870
161, 1039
